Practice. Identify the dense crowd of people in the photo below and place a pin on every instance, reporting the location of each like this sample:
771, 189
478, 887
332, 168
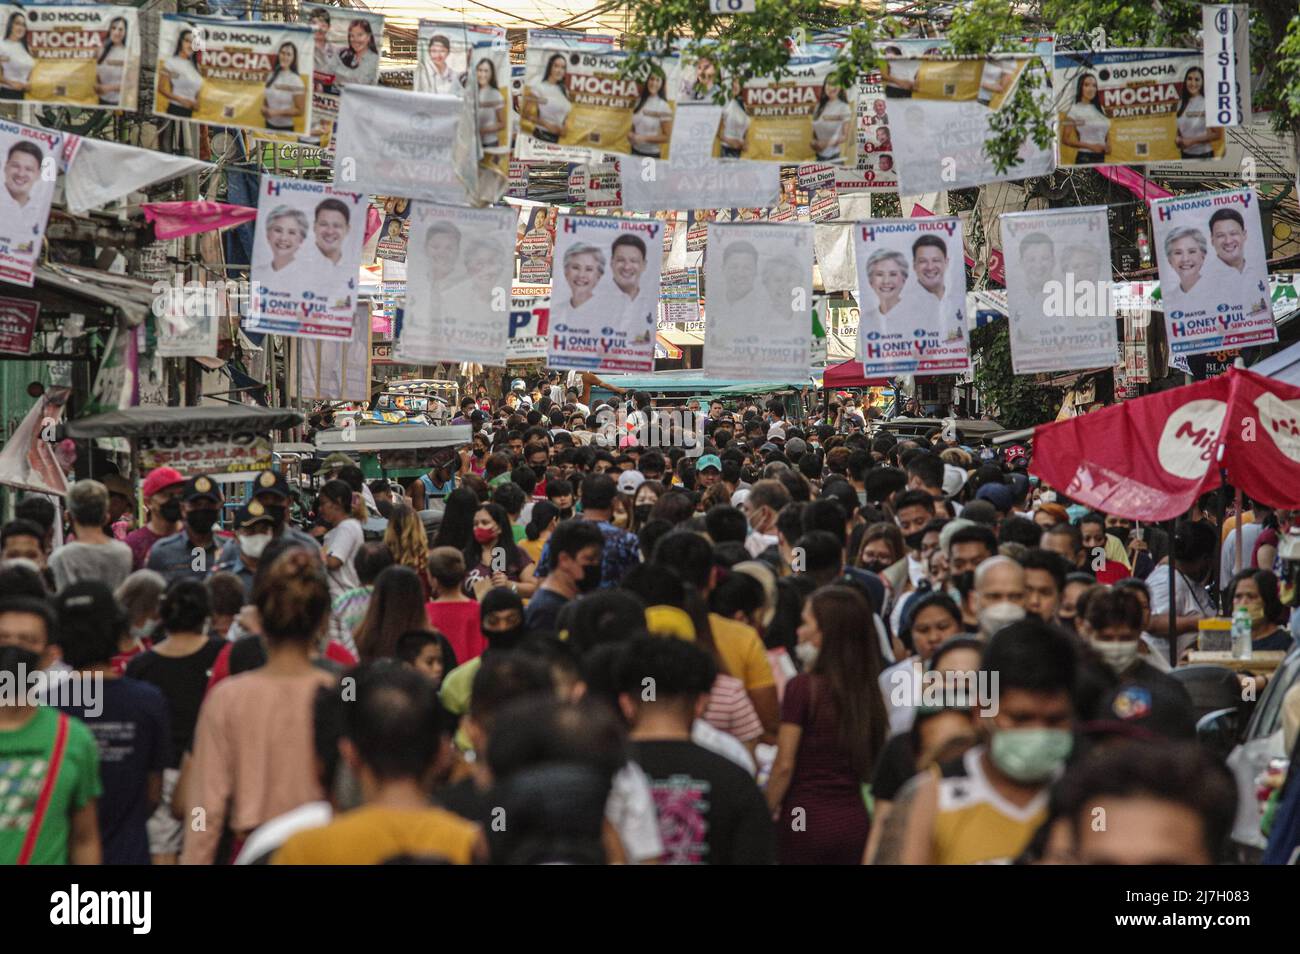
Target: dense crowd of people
806, 642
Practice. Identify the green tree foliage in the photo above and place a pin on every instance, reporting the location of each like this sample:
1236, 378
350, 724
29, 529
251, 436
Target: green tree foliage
1015, 400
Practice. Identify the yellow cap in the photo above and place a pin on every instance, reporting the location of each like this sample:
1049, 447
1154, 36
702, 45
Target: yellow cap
669, 621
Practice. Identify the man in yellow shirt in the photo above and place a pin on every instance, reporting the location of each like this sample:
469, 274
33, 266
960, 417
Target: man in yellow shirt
392, 739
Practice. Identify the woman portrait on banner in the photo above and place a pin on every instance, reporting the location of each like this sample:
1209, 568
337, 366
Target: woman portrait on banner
735, 123
831, 122
440, 75
325, 62
286, 231
652, 118
887, 272
284, 97
583, 268
179, 79
16, 60
359, 60
490, 104
899, 74
110, 68
547, 104
1085, 127
1195, 140
1185, 250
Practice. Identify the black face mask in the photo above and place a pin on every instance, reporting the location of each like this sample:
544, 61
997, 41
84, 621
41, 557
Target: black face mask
505, 638
878, 566
201, 521
276, 512
590, 578
642, 512
566, 513
1121, 534
15, 659
913, 540
170, 511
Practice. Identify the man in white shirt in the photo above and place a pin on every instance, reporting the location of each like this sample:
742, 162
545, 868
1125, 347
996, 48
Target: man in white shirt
22, 215
628, 263
442, 78
739, 273
930, 266
1227, 269
1194, 547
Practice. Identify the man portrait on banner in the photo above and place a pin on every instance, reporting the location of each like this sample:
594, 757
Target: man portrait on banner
483, 257
441, 248
1228, 267
22, 214
929, 293
739, 275
439, 74
628, 264
1036, 256
782, 282
331, 222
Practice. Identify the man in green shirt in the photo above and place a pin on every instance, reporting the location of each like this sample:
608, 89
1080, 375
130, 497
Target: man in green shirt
49, 762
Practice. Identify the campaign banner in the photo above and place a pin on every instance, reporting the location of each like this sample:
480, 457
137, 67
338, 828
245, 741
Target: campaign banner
575, 94
1225, 46
530, 314
206, 452
757, 319
911, 296
940, 110
601, 184
1058, 274
1213, 274
99, 171
250, 75
471, 61
1132, 106
875, 142
393, 238
187, 318
306, 256
80, 55
803, 116
346, 50
31, 163
338, 370
605, 294
395, 142
458, 280
17, 324
535, 244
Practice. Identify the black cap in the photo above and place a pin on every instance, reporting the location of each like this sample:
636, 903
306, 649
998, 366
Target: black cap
252, 513
202, 486
1152, 710
271, 482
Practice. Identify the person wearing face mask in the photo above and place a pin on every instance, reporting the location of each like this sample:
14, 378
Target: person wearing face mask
575, 553
643, 502
985, 806
162, 496
764, 501
254, 529
1257, 591
913, 509
193, 551
999, 594
1115, 631
560, 493
503, 624
882, 546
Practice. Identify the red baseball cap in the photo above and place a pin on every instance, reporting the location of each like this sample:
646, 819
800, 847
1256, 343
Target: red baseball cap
159, 479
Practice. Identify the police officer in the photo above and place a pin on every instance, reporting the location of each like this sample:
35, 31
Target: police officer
191, 553
271, 490
254, 528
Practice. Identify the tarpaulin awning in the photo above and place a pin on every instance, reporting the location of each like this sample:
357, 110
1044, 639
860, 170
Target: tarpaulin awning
369, 438
210, 418
1150, 458
1283, 366
849, 375
133, 296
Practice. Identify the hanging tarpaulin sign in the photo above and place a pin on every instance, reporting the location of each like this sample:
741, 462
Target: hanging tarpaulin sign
395, 142
27, 459
1225, 42
530, 311
30, 157
912, 293
759, 284
696, 179
188, 317
206, 452
1132, 106
306, 256
470, 61
1213, 273
346, 50
605, 294
535, 244
85, 56
875, 170
338, 370
99, 172
459, 272
235, 73
576, 95
17, 325
1058, 289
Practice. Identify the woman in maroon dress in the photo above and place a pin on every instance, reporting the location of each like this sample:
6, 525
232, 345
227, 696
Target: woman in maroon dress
833, 729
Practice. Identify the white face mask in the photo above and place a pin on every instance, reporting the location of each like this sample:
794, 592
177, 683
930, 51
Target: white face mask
993, 618
1119, 655
915, 570
252, 545
807, 654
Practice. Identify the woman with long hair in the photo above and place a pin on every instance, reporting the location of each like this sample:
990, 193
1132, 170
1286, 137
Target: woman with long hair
547, 104
735, 123
396, 607
16, 59
493, 554
254, 753
1257, 591
490, 105
110, 68
284, 96
643, 502
345, 513
457, 527
408, 542
1195, 140
1085, 127
652, 117
359, 60
540, 526
831, 122
179, 81
833, 728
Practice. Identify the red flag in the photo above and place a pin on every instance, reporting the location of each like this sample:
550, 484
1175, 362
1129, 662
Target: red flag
177, 219
1261, 438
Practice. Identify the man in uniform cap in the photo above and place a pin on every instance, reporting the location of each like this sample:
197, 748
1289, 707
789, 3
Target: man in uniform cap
271, 491
255, 527
191, 553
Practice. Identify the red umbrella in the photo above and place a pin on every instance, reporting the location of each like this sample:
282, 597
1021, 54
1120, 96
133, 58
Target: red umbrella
1149, 459
849, 375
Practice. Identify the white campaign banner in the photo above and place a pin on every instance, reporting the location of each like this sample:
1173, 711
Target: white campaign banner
99, 172
338, 370
530, 311
459, 268
471, 61
758, 313
188, 318
347, 45
911, 296
395, 142
1058, 275
939, 128
306, 256
30, 158
1225, 32
1213, 274
694, 179
605, 294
